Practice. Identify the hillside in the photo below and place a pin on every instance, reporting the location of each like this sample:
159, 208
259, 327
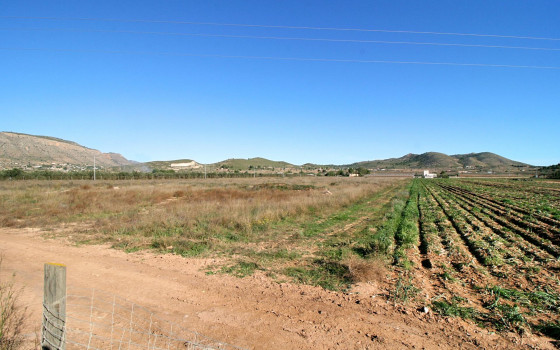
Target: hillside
45, 152
251, 163
22, 150
435, 160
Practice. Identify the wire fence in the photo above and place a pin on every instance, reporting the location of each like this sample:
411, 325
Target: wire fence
99, 320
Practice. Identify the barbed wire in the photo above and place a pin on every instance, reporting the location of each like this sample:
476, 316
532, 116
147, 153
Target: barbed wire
98, 320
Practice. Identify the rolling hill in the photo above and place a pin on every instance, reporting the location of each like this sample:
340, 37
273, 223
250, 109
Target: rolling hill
440, 161
30, 151
250, 163
23, 150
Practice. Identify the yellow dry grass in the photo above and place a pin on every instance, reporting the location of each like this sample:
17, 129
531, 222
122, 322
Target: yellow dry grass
182, 216
223, 202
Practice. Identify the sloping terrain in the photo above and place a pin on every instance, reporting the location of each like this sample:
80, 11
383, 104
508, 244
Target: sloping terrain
244, 164
19, 150
22, 150
485, 159
435, 160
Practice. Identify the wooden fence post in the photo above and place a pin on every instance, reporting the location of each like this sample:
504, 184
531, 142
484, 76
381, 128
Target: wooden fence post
54, 308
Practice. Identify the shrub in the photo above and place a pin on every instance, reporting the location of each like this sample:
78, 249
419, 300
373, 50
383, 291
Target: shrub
12, 316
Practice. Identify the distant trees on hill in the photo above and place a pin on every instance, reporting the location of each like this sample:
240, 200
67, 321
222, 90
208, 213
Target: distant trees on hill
551, 172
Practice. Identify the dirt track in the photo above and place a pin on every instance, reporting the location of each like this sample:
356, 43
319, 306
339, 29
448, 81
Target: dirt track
252, 312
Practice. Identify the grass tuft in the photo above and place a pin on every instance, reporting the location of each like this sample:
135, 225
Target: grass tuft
12, 316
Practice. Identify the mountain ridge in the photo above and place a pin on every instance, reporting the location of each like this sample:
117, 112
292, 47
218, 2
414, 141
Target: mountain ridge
440, 161
18, 149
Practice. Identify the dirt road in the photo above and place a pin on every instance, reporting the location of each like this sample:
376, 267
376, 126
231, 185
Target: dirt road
253, 312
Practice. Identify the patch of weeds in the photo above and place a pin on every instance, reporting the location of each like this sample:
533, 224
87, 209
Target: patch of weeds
132, 249
13, 316
382, 241
278, 254
493, 260
240, 269
551, 329
510, 317
128, 246
404, 289
327, 274
231, 237
446, 308
165, 231
181, 247
400, 258
350, 213
537, 301
459, 266
345, 216
446, 276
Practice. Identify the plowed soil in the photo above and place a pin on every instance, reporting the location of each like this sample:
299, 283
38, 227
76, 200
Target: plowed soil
253, 312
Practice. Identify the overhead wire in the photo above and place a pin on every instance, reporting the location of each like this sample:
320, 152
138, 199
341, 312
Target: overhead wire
389, 42
277, 26
280, 58
266, 37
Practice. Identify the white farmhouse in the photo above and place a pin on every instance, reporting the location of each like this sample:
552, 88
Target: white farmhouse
428, 175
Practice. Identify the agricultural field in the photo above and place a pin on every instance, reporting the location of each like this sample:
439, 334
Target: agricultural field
489, 249
480, 250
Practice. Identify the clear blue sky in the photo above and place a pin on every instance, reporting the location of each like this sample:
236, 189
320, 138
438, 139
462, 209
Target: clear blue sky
124, 86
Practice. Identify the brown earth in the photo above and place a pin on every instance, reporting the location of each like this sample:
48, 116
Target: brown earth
253, 312
21, 149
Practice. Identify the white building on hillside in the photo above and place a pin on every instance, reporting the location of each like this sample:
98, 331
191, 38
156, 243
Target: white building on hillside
428, 175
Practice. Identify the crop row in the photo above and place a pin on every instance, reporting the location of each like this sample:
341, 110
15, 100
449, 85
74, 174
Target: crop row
534, 198
492, 254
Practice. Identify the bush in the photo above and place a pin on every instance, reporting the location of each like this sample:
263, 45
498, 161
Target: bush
12, 316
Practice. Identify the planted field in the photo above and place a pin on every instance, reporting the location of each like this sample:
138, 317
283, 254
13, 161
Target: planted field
489, 252
483, 250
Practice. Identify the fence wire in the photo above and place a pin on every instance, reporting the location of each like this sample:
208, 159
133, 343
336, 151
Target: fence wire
97, 320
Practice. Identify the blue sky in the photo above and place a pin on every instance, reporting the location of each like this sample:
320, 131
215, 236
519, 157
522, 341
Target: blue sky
133, 78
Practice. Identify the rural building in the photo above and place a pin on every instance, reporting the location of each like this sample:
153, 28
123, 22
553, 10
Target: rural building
428, 175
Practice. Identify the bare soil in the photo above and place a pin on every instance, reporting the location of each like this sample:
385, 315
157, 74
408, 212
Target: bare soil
254, 312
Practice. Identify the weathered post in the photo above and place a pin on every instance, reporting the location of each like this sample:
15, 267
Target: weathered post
54, 308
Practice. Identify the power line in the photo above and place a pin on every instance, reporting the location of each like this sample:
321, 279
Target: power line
279, 58
283, 38
277, 27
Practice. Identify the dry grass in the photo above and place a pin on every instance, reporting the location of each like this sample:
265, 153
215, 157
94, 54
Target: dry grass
267, 223
197, 206
361, 270
12, 316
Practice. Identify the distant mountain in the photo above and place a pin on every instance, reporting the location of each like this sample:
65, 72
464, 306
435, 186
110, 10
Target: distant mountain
435, 160
486, 159
31, 151
23, 150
